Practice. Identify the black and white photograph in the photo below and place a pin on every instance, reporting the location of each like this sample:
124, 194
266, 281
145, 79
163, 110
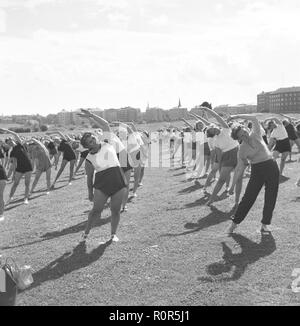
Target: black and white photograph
149, 155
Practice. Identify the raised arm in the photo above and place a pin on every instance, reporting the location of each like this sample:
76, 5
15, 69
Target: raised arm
291, 119
39, 143
57, 133
187, 123
276, 120
255, 123
102, 123
220, 120
16, 136
196, 116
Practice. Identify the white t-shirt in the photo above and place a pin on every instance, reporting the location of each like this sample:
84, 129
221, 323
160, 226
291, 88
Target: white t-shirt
211, 142
224, 140
113, 140
133, 143
279, 133
104, 159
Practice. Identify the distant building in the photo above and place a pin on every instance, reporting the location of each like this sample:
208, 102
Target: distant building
154, 115
128, 114
283, 100
65, 118
236, 109
110, 115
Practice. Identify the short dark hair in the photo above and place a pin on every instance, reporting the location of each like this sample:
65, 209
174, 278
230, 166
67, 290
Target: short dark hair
234, 132
84, 138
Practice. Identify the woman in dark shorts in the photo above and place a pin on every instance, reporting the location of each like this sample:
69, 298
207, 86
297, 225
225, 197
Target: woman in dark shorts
3, 179
22, 161
279, 137
43, 164
68, 157
109, 182
108, 136
53, 152
292, 132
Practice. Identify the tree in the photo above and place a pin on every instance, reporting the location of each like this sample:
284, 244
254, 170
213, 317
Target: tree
44, 128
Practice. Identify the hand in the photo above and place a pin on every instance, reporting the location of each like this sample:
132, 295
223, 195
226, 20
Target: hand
91, 197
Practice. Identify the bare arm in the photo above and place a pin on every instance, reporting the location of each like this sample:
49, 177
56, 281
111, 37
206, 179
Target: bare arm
102, 123
255, 123
16, 136
90, 178
220, 120
187, 123
196, 116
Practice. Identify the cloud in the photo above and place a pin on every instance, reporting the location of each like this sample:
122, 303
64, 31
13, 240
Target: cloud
160, 21
2, 21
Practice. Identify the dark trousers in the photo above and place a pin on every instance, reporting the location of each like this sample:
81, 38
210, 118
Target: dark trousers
265, 173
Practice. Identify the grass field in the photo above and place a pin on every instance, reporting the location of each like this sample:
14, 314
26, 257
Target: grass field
172, 250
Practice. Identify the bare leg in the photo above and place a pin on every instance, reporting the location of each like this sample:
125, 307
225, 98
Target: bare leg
62, 167
79, 164
282, 161
17, 179
48, 179
99, 201
36, 179
137, 172
72, 164
225, 171
2, 187
126, 193
115, 207
27, 184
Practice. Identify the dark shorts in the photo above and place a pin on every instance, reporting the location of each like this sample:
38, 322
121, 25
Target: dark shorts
206, 150
283, 146
84, 154
3, 175
69, 157
230, 158
53, 151
110, 181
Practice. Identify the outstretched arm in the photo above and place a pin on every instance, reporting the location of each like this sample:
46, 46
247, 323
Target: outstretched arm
187, 123
220, 120
255, 123
196, 116
17, 137
102, 123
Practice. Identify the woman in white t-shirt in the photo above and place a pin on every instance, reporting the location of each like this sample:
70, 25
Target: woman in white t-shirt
279, 137
228, 149
109, 181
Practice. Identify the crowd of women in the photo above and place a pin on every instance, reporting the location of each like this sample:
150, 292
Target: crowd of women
111, 154
229, 147
214, 148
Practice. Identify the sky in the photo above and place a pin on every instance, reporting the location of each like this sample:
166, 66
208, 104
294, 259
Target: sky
68, 54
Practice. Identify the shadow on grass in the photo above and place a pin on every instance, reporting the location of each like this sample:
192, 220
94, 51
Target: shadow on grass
283, 179
20, 202
56, 234
251, 253
296, 200
214, 218
69, 262
204, 199
190, 189
179, 174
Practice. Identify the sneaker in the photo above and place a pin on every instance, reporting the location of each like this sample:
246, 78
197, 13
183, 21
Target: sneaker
114, 238
265, 229
124, 209
1, 218
26, 202
134, 195
48, 192
140, 184
232, 227
83, 237
70, 184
